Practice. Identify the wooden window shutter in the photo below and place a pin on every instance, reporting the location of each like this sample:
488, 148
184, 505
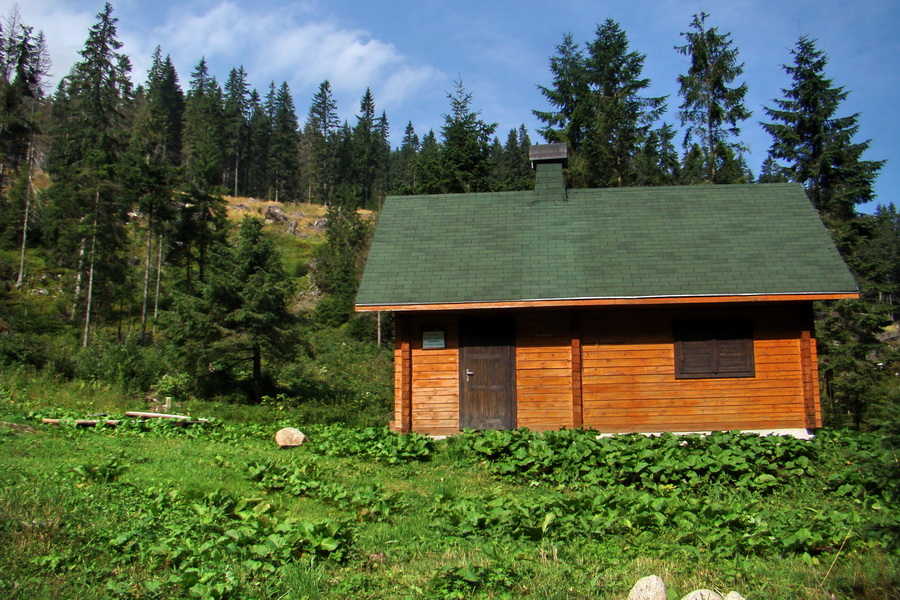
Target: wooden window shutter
709, 349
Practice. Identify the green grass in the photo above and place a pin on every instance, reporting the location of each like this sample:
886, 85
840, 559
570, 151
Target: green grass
146, 513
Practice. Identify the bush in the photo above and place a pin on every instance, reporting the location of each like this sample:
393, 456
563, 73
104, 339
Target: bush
134, 367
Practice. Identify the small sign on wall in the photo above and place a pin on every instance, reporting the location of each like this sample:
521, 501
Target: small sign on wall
433, 339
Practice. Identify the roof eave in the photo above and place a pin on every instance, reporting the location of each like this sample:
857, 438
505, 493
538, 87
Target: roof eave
606, 301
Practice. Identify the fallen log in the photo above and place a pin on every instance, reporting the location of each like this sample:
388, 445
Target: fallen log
82, 422
17, 427
150, 415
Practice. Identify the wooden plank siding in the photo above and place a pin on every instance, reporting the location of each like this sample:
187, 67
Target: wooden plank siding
613, 370
544, 370
435, 377
628, 379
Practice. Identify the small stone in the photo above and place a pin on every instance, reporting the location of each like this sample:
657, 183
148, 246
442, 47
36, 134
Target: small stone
703, 595
648, 588
733, 596
290, 437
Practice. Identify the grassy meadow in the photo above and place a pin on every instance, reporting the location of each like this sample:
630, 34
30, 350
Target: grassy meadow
149, 510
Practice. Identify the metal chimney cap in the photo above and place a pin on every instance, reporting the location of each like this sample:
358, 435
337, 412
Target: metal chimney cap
548, 152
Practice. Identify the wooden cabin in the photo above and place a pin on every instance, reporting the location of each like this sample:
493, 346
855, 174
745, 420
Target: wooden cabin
622, 310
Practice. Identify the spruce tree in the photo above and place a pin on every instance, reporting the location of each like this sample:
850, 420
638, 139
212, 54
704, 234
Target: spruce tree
259, 134
203, 137
339, 263
382, 159
88, 210
320, 133
621, 117
148, 174
23, 66
814, 147
569, 96
236, 114
404, 162
364, 149
712, 107
284, 147
814, 144
431, 169
165, 97
656, 163
600, 110
239, 320
466, 149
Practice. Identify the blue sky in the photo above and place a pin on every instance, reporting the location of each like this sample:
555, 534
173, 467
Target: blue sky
411, 52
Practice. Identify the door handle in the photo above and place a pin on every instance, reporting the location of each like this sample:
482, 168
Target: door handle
469, 374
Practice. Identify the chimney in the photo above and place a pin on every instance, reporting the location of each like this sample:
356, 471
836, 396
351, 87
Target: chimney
548, 161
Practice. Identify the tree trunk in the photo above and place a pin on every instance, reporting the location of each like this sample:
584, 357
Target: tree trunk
158, 277
147, 265
78, 272
28, 191
236, 162
90, 290
257, 373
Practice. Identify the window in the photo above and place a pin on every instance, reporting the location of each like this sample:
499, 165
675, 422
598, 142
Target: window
707, 349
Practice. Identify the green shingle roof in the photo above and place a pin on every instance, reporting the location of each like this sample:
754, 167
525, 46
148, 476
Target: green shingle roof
601, 243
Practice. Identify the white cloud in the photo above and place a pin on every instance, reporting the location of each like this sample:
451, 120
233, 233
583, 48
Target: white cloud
284, 46
65, 28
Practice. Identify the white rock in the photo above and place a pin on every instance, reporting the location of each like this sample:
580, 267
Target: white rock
703, 595
733, 596
290, 437
648, 588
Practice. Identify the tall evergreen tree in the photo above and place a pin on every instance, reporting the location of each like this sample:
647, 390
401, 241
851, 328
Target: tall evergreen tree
320, 146
236, 114
203, 138
814, 144
466, 149
240, 316
431, 168
657, 161
514, 164
339, 263
284, 147
259, 133
23, 66
569, 96
90, 114
815, 147
600, 111
404, 162
382, 159
166, 99
148, 174
370, 155
711, 107
771, 172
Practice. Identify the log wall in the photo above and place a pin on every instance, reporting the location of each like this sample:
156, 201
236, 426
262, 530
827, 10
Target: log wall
613, 370
629, 383
434, 376
544, 370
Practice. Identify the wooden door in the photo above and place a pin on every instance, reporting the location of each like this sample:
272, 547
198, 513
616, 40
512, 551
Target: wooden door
487, 384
